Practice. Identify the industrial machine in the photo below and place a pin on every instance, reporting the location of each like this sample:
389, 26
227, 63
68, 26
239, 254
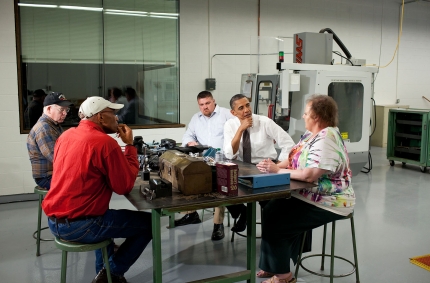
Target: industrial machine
282, 96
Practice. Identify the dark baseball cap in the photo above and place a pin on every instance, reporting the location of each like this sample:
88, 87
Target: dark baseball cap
56, 98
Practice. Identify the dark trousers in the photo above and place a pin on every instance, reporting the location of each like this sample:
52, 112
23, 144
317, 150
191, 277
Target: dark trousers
134, 226
236, 210
44, 182
283, 224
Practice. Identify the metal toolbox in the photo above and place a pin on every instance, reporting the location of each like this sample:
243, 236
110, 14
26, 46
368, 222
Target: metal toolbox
188, 174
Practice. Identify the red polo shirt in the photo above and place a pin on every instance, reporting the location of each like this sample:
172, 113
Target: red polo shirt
89, 165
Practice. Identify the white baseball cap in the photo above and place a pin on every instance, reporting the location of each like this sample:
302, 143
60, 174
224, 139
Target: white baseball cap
94, 104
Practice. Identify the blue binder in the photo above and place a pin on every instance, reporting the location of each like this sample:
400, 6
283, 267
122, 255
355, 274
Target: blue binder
265, 180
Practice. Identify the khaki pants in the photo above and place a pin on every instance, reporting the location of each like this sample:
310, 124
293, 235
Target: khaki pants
218, 215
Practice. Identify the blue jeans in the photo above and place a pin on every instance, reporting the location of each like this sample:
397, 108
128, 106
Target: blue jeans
44, 182
135, 226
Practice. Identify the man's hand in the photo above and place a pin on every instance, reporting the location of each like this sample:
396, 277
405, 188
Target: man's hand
192, 143
245, 123
125, 133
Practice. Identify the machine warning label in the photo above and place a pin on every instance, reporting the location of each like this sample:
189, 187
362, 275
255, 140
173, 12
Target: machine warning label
346, 80
344, 135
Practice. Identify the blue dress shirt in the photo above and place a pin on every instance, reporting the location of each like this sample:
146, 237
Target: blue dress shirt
208, 130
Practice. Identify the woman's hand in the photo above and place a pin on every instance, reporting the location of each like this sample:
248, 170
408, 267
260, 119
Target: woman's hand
268, 166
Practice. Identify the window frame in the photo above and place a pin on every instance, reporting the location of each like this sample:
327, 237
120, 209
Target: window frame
20, 81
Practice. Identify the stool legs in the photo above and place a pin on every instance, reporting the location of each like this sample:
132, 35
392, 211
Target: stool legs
354, 245
107, 265
332, 255
39, 223
300, 254
333, 234
323, 247
234, 224
64, 265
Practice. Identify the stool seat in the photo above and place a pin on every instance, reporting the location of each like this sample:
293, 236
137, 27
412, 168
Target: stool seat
40, 191
80, 247
66, 246
36, 235
332, 255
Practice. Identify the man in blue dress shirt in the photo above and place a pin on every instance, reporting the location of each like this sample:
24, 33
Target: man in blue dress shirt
206, 128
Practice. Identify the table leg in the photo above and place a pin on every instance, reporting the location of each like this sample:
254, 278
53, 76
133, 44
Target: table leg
172, 220
157, 268
250, 240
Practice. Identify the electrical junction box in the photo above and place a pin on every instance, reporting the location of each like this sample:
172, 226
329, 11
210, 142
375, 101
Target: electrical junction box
313, 48
357, 62
294, 82
210, 84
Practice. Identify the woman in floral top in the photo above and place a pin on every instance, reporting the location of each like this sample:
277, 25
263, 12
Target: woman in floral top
320, 157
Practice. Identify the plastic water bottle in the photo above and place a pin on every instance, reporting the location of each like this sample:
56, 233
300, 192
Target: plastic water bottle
218, 155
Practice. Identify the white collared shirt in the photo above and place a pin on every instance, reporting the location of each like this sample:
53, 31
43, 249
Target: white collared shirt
208, 130
263, 133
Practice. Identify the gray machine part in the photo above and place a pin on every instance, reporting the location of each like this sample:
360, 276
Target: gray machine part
357, 161
313, 48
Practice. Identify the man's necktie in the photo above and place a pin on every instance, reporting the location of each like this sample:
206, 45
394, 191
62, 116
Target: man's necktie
246, 144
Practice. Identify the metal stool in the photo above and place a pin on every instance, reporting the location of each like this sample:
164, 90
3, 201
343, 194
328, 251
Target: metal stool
36, 235
332, 256
240, 233
66, 247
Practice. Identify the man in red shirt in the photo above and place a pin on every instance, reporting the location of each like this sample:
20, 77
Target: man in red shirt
89, 165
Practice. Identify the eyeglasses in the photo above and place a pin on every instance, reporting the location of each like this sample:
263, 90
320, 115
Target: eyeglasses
63, 110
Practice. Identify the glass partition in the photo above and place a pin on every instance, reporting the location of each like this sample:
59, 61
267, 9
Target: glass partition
86, 48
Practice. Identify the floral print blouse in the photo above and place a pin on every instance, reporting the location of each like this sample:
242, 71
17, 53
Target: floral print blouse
327, 151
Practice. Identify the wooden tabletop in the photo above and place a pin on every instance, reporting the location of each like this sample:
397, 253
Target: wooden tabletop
180, 202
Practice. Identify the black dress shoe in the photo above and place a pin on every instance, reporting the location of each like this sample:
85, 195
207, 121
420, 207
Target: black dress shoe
218, 232
190, 218
240, 225
102, 278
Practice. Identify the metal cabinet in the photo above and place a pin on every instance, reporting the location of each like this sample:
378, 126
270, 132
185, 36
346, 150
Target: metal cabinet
408, 137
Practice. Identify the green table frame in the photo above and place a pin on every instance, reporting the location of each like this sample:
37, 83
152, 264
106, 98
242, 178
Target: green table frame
178, 202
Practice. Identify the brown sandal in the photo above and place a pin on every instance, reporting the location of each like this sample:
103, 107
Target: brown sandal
275, 279
264, 274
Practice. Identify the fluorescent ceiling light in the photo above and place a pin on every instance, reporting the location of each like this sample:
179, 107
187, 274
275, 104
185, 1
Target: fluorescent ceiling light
37, 5
164, 17
164, 14
126, 14
125, 11
81, 8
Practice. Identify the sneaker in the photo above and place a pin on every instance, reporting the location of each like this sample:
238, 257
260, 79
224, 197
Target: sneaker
218, 232
190, 218
102, 278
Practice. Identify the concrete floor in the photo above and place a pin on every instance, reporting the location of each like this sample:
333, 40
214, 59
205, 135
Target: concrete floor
391, 219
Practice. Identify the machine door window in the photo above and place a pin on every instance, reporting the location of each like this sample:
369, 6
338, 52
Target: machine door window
264, 99
349, 99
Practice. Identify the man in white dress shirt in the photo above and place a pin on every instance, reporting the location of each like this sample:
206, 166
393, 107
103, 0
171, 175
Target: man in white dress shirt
263, 133
206, 128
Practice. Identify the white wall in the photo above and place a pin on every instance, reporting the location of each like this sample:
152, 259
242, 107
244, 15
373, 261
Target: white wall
227, 27
365, 27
